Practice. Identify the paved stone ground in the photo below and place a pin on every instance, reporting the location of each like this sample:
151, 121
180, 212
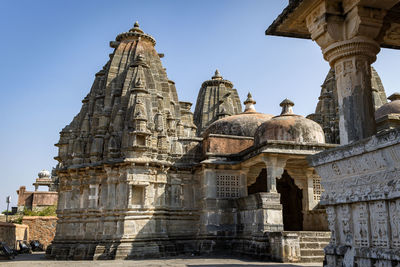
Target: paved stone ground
37, 259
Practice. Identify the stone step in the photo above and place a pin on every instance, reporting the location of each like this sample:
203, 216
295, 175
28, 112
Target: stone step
315, 233
313, 245
312, 259
315, 239
312, 252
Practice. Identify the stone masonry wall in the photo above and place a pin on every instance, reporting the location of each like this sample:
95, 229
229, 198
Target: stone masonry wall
11, 232
226, 144
42, 228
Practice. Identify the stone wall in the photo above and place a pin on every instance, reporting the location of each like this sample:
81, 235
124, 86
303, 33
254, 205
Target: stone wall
362, 195
42, 228
11, 232
226, 144
35, 199
315, 220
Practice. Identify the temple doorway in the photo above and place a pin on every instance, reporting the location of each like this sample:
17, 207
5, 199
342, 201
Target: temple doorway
291, 200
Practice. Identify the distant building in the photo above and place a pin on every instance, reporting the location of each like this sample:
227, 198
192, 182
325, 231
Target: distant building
36, 200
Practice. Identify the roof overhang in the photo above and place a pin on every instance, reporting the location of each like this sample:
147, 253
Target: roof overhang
291, 23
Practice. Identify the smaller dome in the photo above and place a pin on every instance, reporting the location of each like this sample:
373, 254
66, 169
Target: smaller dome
44, 174
389, 108
243, 124
289, 127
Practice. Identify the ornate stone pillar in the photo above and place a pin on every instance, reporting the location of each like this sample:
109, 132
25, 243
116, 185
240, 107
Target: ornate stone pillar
352, 61
275, 167
349, 33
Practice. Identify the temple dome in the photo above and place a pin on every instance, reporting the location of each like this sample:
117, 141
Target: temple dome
243, 124
44, 174
389, 108
289, 127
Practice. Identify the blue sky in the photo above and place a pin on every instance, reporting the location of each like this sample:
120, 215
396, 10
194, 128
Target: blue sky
52, 49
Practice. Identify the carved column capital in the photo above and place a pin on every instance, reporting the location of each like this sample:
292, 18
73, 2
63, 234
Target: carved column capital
332, 21
358, 46
275, 167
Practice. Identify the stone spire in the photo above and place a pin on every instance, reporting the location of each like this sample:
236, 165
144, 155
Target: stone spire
249, 104
119, 116
287, 107
327, 109
217, 99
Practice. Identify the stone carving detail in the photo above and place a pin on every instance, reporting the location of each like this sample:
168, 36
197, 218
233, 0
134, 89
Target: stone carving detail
394, 209
361, 224
344, 214
379, 224
330, 211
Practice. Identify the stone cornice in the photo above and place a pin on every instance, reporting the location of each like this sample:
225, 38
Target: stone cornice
216, 83
372, 143
134, 35
231, 136
270, 147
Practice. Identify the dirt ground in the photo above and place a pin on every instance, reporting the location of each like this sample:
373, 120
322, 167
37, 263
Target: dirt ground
38, 260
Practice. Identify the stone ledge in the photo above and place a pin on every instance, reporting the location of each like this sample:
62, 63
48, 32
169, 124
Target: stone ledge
43, 218
378, 141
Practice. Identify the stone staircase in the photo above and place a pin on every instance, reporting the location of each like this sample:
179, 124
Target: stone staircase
312, 245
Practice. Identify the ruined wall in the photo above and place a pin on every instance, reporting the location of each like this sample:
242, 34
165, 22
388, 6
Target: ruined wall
42, 228
35, 199
11, 232
362, 195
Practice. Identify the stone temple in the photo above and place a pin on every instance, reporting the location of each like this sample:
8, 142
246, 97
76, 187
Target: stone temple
140, 175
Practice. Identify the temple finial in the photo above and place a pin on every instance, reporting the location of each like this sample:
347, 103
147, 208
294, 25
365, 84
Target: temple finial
287, 107
136, 28
250, 102
217, 75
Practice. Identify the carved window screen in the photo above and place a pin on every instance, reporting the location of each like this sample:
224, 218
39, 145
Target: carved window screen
317, 188
228, 186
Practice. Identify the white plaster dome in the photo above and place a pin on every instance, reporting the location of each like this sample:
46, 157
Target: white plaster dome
243, 124
289, 127
392, 107
44, 174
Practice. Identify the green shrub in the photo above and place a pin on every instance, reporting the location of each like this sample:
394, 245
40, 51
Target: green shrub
48, 211
17, 220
